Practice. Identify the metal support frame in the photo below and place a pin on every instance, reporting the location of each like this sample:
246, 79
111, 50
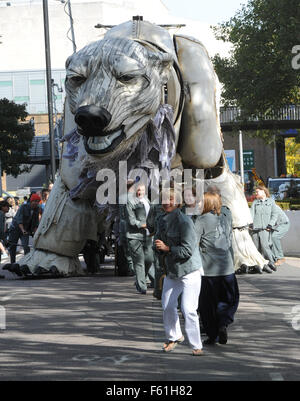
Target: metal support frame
49, 89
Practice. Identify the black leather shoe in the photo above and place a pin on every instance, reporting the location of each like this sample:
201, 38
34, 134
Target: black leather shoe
267, 269
272, 267
15, 268
54, 271
139, 290
255, 270
223, 335
25, 270
242, 270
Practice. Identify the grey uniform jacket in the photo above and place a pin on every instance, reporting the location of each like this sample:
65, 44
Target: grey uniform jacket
217, 259
264, 213
281, 217
122, 215
135, 217
177, 231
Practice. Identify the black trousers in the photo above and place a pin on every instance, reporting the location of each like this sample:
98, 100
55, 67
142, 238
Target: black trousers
14, 235
218, 302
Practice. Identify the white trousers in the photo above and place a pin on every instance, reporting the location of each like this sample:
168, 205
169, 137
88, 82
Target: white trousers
189, 288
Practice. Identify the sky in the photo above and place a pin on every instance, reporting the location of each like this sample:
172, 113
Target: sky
210, 11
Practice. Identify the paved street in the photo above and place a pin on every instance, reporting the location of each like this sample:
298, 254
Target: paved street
99, 328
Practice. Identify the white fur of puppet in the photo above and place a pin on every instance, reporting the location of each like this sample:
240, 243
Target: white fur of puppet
134, 97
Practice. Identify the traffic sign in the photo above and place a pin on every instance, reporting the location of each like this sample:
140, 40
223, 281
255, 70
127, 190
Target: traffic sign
248, 158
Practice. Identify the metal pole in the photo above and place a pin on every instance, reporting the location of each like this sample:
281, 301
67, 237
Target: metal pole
71, 26
241, 157
275, 158
49, 89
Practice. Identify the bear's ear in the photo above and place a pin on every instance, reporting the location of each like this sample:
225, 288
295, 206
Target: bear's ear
68, 61
164, 62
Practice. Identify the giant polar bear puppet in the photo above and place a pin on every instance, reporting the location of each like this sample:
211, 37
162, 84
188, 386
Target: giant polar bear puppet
144, 97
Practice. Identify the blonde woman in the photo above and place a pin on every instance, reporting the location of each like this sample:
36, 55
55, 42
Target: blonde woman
176, 240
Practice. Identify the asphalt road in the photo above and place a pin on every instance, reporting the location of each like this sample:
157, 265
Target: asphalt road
99, 328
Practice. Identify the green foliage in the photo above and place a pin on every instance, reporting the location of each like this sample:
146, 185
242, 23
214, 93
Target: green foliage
15, 137
258, 76
292, 151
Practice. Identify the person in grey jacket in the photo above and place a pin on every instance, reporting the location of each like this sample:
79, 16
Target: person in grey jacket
264, 214
139, 239
219, 297
281, 227
176, 240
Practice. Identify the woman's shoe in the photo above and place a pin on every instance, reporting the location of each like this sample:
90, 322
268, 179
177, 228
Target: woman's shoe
139, 290
267, 269
242, 270
255, 270
170, 345
272, 267
197, 352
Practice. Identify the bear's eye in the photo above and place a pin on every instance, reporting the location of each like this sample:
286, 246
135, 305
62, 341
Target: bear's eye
126, 78
76, 79
132, 78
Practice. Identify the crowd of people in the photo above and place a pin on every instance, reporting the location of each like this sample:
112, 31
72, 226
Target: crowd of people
190, 246
19, 220
185, 240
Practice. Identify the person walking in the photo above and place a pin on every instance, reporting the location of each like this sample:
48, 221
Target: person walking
23, 225
4, 208
176, 240
264, 213
139, 240
219, 296
281, 227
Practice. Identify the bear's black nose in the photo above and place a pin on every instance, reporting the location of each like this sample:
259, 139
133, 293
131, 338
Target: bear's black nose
92, 120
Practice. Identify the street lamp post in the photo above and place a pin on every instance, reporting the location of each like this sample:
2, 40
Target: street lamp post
49, 90
241, 156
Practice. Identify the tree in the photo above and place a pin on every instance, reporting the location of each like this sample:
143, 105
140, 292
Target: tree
292, 149
258, 75
15, 137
